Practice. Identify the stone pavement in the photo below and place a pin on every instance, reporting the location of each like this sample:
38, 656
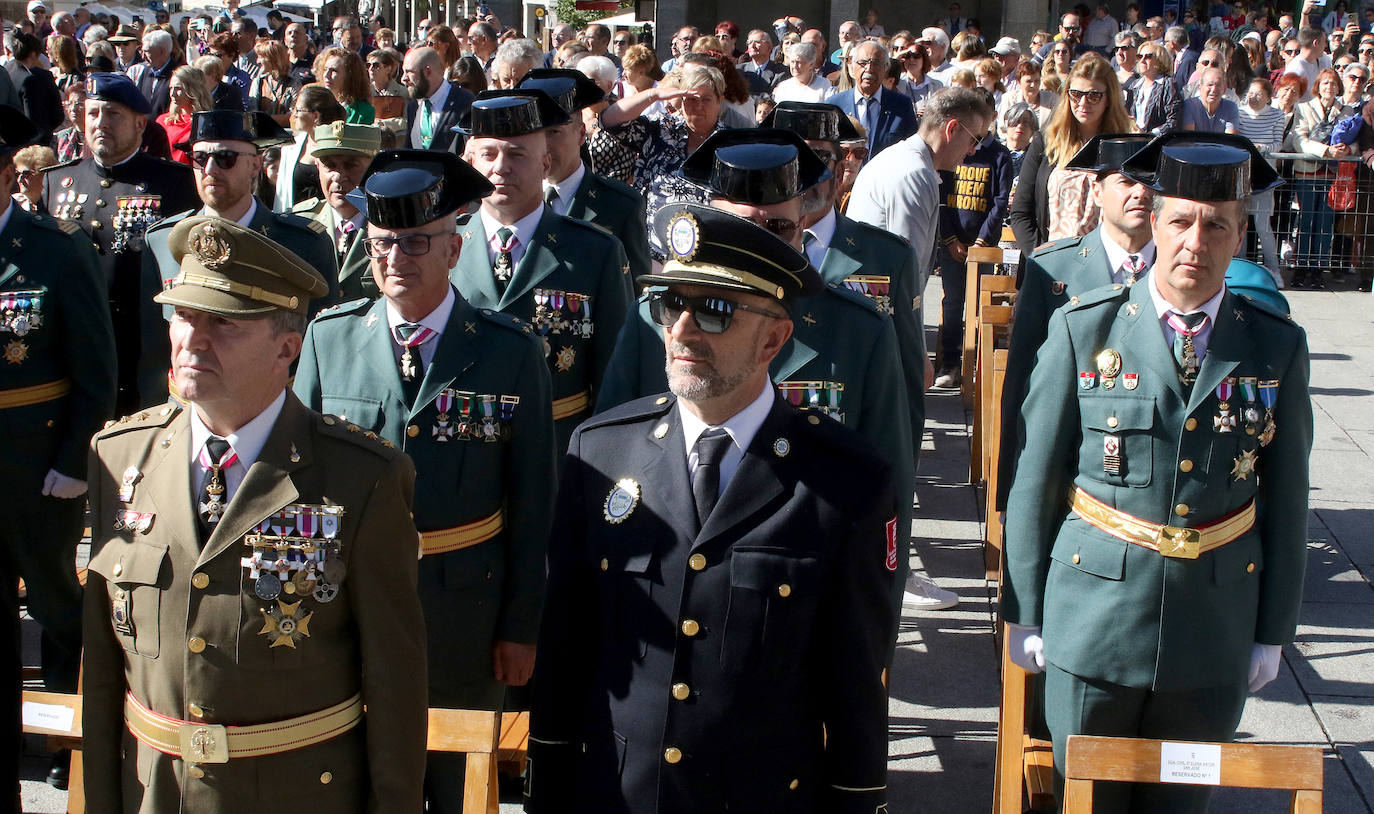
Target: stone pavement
945, 680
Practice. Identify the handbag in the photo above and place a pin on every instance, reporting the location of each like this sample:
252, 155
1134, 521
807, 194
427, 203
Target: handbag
1341, 195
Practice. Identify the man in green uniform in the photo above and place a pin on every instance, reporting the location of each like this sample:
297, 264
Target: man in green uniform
465, 392
343, 153
57, 388
569, 280
1173, 418
570, 187
252, 586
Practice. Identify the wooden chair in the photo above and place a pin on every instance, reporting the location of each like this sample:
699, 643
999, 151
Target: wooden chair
513, 750
1025, 764
978, 258
993, 330
1243, 765
992, 450
475, 733
38, 720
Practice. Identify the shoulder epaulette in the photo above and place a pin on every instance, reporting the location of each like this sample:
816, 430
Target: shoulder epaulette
339, 428
344, 308
863, 301
314, 225
584, 226
507, 321
1265, 308
1107, 293
304, 206
631, 411
66, 227
1057, 245
71, 162
143, 419
873, 232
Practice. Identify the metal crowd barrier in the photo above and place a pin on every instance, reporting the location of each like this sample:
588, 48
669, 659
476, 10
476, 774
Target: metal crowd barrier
1296, 226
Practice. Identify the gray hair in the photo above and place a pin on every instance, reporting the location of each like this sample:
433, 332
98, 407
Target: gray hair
94, 34
100, 48
690, 76
1176, 35
936, 35
519, 52
1019, 113
286, 322
803, 50
159, 39
955, 102
599, 69
1124, 38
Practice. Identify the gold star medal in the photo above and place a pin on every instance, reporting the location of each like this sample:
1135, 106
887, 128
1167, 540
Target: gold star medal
1244, 466
283, 623
566, 357
16, 352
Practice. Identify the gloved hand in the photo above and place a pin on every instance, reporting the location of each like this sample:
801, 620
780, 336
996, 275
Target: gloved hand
60, 486
1264, 665
1026, 648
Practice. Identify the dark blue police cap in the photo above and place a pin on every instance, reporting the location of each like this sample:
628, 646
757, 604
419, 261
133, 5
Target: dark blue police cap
1202, 167
757, 166
572, 90
407, 188
711, 247
510, 113
16, 131
813, 121
1105, 153
116, 87
232, 125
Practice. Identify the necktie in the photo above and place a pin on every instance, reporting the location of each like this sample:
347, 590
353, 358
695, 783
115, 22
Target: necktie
215, 456
504, 262
347, 229
809, 240
410, 337
1132, 269
551, 195
711, 448
426, 125
870, 118
1186, 327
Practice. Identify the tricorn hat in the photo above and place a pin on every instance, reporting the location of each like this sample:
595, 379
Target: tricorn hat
407, 188
758, 166
817, 121
256, 128
1106, 152
510, 113
1202, 167
572, 90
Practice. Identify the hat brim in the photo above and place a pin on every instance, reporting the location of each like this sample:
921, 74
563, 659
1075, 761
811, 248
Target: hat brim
215, 302
321, 152
714, 277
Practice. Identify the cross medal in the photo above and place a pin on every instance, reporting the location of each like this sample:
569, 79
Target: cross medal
213, 508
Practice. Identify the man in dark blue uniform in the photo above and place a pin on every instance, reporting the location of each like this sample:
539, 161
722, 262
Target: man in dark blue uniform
717, 617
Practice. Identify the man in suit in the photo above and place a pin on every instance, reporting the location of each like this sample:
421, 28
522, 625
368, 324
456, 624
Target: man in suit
717, 615
758, 59
435, 105
465, 392
887, 117
116, 194
252, 586
153, 75
37, 91
1185, 57
1120, 250
571, 188
568, 279
1174, 417
58, 388
219, 138
343, 153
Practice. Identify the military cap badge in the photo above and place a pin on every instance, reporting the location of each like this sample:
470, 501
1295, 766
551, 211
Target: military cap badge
211, 246
684, 235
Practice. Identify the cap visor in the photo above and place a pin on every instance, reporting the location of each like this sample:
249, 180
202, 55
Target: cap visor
223, 303
703, 278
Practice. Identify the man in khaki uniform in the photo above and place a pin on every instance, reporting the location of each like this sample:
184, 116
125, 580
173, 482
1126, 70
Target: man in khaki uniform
252, 587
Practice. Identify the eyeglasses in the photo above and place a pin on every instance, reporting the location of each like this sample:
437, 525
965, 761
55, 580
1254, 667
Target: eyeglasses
415, 244
856, 153
1093, 96
977, 140
785, 228
1071, 28
712, 315
1291, 52
1061, 51
224, 159
865, 63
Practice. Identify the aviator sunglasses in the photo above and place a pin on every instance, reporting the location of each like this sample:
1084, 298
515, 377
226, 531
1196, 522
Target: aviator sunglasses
712, 315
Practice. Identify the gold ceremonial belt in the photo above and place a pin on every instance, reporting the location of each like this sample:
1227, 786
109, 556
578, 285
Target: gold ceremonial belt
1171, 541
570, 406
198, 742
459, 537
37, 394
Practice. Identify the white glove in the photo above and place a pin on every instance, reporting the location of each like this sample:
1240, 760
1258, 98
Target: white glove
1264, 665
60, 486
1026, 648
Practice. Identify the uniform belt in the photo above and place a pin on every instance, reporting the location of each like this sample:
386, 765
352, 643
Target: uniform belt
198, 742
1171, 541
459, 537
37, 394
570, 406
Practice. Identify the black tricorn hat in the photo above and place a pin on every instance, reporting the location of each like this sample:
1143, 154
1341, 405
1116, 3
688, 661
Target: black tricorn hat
407, 188
510, 113
1106, 152
1202, 167
16, 131
712, 247
232, 125
572, 90
817, 121
758, 166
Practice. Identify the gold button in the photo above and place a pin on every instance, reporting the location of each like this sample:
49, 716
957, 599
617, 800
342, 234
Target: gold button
681, 691
1190, 424
196, 772
118, 569
794, 785
196, 710
1185, 465
814, 420
1111, 421
661, 400
1077, 559
412, 430
327, 778
690, 627
1182, 510
201, 580
120, 594
784, 590
1250, 569
196, 644
672, 754
605, 564
696, 562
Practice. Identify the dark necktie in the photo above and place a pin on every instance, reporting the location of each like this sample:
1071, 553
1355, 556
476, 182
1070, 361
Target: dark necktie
551, 195
711, 448
1133, 267
505, 263
1186, 328
213, 496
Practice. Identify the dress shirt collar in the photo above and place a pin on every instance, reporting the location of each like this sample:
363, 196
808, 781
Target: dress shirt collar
524, 228
247, 441
1117, 255
359, 219
567, 188
824, 230
439, 97
742, 427
247, 216
435, 320
875, 98
1163, 307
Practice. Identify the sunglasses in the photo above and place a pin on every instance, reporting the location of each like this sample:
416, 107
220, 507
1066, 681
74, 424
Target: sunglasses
1093, 96
1061, 51
785, 228
415, 244
1288, 52
24, 175
1072, 28
1367, 50
712, 315
855, 153
224, 159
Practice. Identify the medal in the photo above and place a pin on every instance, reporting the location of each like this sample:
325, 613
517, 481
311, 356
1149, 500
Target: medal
130, 477
1244, 465
489, 431
465, 412
307, 521
304, 581
267, 586
1111, 455
285, 624
329, 521
1269, 395
325, 592
1130, 381
1251, 413
16, 352
442, 431
541, 308
1087, 380
1224, 421
334, 569
1108, 365
563, 362
508, 405
621, 502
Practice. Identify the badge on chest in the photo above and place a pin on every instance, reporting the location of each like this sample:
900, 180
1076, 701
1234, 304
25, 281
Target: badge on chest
294, 554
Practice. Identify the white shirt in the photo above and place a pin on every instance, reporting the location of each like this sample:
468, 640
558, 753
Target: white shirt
435, 320
861, 108
436, 106
742, 427
899, 190
524, 230
359, 220
1210, 308
818, 89
1117, 256
247, 441
243, 221
567, 189
824, 230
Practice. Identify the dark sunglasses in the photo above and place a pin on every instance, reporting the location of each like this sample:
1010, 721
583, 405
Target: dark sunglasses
1093, 96
1072, 28
785, 228
415, 244
712, 315
224, 159
852, 153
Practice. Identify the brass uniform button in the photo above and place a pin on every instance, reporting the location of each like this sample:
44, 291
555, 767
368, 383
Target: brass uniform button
196, 772
197, 711
412, 430
661, 400
118, 569
784, 590
681, 692
696, 562
605, 564
1112, 421
201, 580
1185, 465
814, 420
1190, 424
1250, 569
794, 785
690, 627
1182, 510
672, 754
1077, 559
326, 778
196, 644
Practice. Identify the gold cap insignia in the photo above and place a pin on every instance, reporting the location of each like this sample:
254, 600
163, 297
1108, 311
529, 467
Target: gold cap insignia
211, 245
684, 235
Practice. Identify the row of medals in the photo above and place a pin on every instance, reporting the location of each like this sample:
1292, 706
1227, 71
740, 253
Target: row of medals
549, 306
1253, 390
21, 311
489, 427
876, 287
807, 395
308, 562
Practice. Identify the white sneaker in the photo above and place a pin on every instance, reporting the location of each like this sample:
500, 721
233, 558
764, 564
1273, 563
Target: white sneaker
946, 381
922, 594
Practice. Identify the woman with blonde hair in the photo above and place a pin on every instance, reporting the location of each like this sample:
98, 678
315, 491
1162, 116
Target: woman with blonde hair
1152, 98
187, 92
30, 163
639, 70
273, 91
1053, 201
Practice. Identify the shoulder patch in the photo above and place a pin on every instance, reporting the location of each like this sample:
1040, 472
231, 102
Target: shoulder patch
314, 226
464, 220
67, 226
344, 308
1264, 307
631, 412
158, 416
508, 321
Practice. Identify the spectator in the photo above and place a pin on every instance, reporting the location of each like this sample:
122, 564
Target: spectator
806, 84
1028, 89
513, 60
1019, 124
225, 48
384, 38
467, 73
348, 35
936, 42
915, 83
38, 95
153, 75
987, 73
71, 140
29, 164
1152, 99
1254, 56
639, 72
65, 57
1336, 18
343, 73
274, 89
758, 59
443, 40
1208, 112
1102, 31
600, 70
622, 41
126, 43
1315, 120
826, 65
737, 109
482, 42
298, 49
1183, 55
189, 92
597, 38
871, 27
383, 66
1264, 125
1126, 55
887, 117
1309, 59
679, 45
298, 178
568, 54
1008, 52
1355, 79
1057, 66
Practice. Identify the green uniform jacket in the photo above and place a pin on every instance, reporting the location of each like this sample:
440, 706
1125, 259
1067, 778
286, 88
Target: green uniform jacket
193, 642
566, 256
322, 218
1120, 612
617, 209
74, 341
355, 275
492, 590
